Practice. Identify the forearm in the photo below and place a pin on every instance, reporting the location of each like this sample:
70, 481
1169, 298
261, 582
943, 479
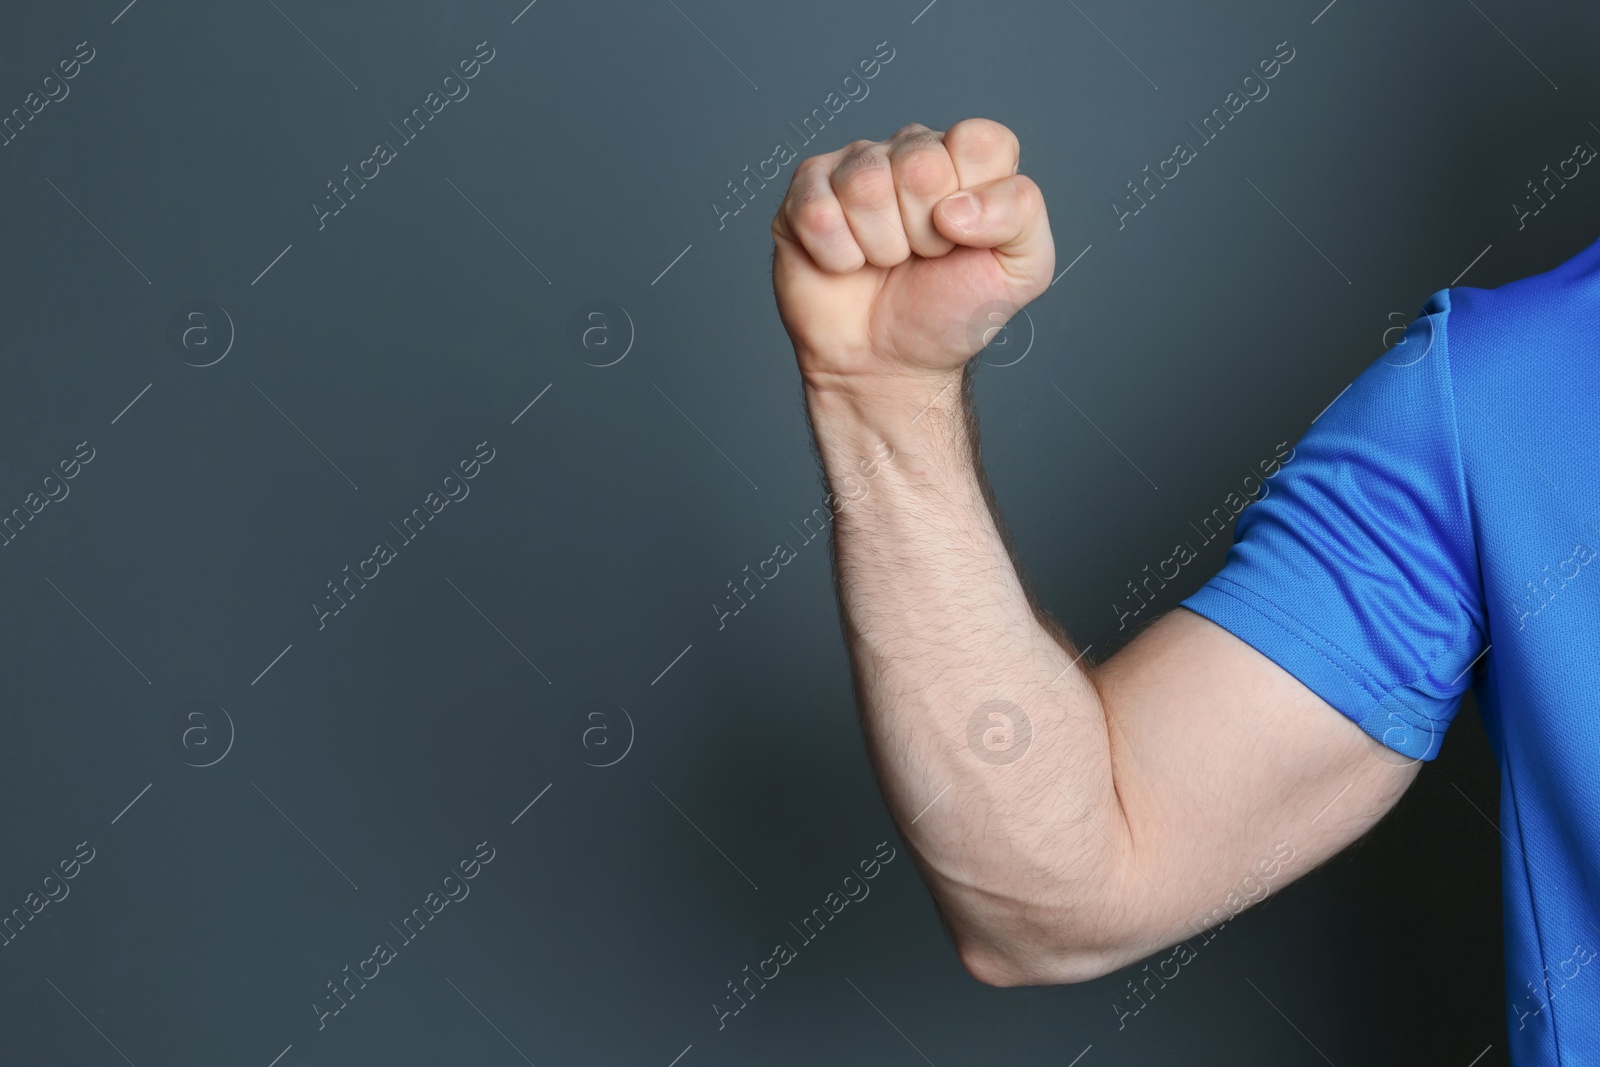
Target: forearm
1018, 836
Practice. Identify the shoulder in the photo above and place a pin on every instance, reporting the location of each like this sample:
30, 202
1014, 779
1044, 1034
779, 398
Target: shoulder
1522, 331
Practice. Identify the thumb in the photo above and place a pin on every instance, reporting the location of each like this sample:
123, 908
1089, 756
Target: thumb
1008, 216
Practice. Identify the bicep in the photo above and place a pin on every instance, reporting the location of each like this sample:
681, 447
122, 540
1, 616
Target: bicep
1234, 777
1286, 708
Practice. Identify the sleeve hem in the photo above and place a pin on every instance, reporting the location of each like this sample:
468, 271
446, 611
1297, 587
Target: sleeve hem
1382, 713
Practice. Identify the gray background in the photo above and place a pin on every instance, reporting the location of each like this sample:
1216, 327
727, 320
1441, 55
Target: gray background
370, 756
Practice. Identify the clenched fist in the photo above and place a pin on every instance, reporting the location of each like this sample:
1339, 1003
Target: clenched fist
886, 250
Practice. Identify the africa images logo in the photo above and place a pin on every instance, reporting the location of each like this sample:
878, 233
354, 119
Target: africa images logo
999, 732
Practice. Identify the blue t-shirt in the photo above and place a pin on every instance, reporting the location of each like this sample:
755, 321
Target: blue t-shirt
1438, 527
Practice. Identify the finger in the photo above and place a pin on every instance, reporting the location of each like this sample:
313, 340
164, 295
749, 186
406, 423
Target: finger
864, 183
982, 150
812, 217
1007, 215
924, 174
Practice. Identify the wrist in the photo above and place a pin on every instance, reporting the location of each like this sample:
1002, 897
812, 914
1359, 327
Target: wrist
889, 401
922, 421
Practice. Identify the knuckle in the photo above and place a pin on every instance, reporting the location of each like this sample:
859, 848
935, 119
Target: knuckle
807, 172
913, 141
870, 156
840, 256
1030, 198
804, 191
925, 171
818, 218
854, 155
799, 196
984, 137
870, 184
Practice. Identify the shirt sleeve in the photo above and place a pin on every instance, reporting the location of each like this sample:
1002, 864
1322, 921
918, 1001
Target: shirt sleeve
1356, 568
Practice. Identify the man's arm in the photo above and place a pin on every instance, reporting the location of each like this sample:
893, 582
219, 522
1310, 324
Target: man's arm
1068, 819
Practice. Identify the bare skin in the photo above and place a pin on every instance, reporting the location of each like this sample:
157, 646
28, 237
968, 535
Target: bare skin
1156, 785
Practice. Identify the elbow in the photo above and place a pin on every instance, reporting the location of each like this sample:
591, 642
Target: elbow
991, 968
1007, 938
1022, 915
1017, 962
